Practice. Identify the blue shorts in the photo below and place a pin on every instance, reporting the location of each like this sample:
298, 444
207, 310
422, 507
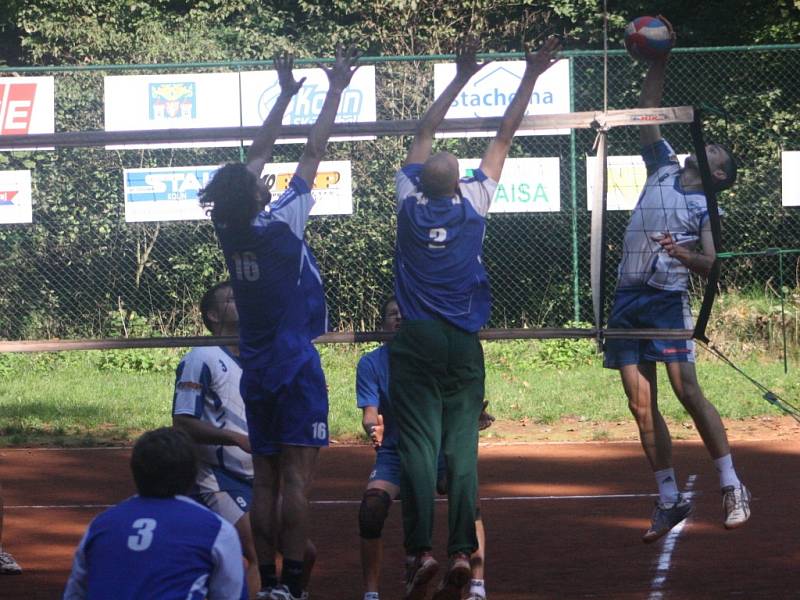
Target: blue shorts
387, 466
648, 308
294, 413
233, 499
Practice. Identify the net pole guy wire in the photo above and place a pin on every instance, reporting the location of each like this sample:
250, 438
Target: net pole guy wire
577, 120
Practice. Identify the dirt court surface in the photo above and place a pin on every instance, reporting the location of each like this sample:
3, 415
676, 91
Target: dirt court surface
563, 520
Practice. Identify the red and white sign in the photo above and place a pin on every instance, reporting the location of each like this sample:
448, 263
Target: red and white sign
15, 197
26, 105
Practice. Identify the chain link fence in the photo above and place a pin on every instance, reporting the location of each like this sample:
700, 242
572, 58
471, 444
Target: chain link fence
81, 271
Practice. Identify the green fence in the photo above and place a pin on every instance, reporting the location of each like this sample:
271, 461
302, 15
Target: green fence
81, 271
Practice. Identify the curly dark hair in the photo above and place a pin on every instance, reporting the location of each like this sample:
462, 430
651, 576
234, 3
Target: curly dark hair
233, 196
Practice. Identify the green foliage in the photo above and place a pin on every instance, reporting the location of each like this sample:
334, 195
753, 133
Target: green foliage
140, 360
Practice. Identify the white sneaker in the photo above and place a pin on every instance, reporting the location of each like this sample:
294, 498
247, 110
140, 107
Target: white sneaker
8, 566
282, 593
736, 504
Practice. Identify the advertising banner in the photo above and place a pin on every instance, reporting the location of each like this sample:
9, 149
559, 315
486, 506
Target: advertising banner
26, 106
626, 177
15, 197
526, 185
790, 179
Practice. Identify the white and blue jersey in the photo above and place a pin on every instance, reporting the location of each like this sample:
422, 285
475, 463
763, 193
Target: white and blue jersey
439, 272
372, 389
207, 388
165, 548
277, 286
664, 206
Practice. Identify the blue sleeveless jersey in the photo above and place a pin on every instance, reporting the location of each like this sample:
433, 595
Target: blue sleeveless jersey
165, 548
277, 285
439, 272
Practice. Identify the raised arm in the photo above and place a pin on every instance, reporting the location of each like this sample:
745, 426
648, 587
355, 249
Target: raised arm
260, 151
536, 63
653, 91
466, 67
338, 79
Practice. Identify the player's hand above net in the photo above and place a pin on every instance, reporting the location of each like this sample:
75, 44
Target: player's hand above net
284, 63
466, 63
547, 54
340, 73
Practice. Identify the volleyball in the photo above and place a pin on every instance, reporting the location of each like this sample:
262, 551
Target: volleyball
648, 38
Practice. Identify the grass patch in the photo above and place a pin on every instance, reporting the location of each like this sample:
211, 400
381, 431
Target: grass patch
91, 398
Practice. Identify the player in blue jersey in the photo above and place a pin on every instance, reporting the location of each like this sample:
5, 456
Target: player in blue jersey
209, 407
372, 397
281, 306
437, 373
659, 251
8, 566
160, 543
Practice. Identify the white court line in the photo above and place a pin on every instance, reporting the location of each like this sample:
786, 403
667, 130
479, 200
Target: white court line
664, 559
353, 502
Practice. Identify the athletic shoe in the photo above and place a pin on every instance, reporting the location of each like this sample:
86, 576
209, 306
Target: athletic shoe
475, 596
419, 572
264, 594
282, 593
457, 576
8, 566
666, 517
736, 504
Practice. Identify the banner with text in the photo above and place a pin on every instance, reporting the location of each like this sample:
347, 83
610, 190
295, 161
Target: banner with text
172, 193
15, 197
526, 184
790, 178
27, 106
492, 89
626, 177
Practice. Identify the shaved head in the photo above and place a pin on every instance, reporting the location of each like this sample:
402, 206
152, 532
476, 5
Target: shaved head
439, 176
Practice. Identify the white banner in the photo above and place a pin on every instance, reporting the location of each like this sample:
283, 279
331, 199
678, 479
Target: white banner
260, 89
15, 197
171, 194
184, 101
790, 180
526, 184
492, 89
626, 177
26, 106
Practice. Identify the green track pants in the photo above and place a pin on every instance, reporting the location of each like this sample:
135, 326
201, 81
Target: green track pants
436, 383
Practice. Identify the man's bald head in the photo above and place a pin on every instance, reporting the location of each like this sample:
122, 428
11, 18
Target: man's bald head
439, 176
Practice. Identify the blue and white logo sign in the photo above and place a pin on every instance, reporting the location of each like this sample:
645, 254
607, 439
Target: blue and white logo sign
260, 89
165, 194
526, 184
15, 197
492, 89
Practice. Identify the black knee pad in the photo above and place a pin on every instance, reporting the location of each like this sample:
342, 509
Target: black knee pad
373, 512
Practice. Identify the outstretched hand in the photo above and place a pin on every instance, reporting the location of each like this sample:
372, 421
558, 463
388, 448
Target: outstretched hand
376, 433
340, 73
466, 63
284, 62
485, 420
545, 56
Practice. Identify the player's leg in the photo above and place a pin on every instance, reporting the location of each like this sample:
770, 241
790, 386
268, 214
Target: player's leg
463, 393
736, 497
8, 566
477, 585
264, 517
374, 509
244, 529
309, 560
641, 387
297, 466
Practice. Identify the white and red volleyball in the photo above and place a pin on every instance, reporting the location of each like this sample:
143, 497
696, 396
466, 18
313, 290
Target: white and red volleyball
648, 38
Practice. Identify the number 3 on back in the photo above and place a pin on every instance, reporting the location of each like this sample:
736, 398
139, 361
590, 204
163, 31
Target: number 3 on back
144, 537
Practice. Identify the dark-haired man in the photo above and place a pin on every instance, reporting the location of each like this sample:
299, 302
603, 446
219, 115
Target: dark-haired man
659, 251
160, 543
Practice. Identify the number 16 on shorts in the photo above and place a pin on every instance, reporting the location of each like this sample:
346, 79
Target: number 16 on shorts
319, 431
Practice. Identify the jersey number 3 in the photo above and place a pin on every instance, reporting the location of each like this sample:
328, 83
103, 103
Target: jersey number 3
245, 266
144, 535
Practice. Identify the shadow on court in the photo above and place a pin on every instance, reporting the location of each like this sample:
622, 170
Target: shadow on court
562, 521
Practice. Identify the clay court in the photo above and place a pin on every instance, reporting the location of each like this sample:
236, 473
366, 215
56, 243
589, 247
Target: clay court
563, 520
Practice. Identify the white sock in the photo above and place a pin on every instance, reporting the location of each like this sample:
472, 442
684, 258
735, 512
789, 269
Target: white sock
371, 596
667, 486
727, 474
476, 587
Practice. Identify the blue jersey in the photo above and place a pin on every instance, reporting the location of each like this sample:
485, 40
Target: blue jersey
277, 285
165, 548
439, 272
372, 389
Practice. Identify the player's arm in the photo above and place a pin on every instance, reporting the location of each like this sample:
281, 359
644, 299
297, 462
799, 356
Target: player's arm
653, 91
260, 151
697, 262
77, 585
202, 432
226, 581
372, 422
466, 67
338, 79
536, 63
